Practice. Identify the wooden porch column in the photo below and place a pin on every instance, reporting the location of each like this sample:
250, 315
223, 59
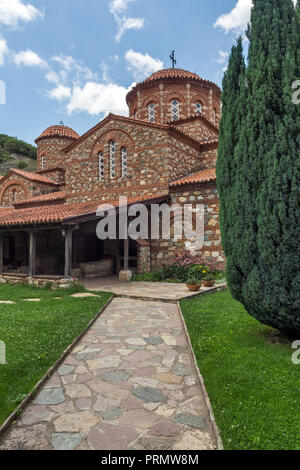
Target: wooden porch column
1, 252
126, 254
32, 253
68, 253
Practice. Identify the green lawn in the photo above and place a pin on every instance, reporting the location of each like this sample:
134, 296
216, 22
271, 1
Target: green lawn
250, 378
36, 334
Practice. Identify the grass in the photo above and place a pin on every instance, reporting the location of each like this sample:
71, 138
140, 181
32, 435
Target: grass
250, 378
36, 334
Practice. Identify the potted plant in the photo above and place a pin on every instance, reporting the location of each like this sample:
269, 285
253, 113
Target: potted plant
193, 284
208, 281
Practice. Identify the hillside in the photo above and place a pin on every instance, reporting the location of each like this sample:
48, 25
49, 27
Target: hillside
15, 153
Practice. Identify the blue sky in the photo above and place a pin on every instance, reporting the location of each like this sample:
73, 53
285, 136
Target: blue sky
75, 60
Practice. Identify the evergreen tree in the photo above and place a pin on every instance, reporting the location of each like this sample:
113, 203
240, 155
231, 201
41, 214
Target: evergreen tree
263, 251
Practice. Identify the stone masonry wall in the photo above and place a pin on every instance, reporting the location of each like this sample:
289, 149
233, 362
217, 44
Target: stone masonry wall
15, 188
154, 159
163, 251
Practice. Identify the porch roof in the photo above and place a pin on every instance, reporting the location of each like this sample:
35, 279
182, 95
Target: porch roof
64, 213
203, 176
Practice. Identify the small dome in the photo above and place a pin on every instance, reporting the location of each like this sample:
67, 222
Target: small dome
172, 73
58, 131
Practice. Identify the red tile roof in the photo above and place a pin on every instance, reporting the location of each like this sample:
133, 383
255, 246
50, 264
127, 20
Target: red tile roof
60, 212
49, 197
30, 176
58, 131
171, 73
203, 176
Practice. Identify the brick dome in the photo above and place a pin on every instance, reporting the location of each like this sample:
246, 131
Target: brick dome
156, 98
58, 131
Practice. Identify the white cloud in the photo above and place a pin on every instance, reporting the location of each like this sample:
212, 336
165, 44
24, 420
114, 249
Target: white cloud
222, 57
117, 7
69, 65
239, 17
60, 93
124, 23
96, 98
142, 65
14, 11
29, 59
3, 50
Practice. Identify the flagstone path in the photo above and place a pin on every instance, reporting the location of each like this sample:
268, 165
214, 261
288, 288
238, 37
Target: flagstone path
129, 384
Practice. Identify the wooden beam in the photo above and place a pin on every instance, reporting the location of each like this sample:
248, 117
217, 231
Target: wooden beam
68, 252
32, 253
126, 254
1, 252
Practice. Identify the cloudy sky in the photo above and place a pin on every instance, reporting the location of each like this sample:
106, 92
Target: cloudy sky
75, 60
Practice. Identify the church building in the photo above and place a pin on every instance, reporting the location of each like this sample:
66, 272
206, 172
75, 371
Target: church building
164, 152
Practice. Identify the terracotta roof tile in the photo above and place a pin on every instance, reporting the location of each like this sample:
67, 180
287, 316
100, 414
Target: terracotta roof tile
203, 176
31, 176
58, 131
171, 73
49, 197
60, 212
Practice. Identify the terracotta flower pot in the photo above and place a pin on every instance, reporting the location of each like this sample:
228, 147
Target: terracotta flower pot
193, 288
208, 283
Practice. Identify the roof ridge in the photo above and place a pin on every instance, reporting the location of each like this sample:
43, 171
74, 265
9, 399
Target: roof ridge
202, 176
157, 125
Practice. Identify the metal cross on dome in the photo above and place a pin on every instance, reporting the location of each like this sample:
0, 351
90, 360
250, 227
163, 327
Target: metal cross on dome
174, 61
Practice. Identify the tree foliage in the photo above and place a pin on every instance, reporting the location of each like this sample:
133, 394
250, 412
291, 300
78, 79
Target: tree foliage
258, 168
12, 145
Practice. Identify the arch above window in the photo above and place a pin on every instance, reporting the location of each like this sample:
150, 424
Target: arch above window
112, 151
175, 110
198, 107
151, 112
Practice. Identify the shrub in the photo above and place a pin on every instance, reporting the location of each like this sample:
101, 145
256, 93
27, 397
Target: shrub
193, 282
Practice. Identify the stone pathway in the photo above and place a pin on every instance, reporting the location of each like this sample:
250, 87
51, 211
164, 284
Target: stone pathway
163, 291
129, 384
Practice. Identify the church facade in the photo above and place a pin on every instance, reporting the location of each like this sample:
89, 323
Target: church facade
164, 152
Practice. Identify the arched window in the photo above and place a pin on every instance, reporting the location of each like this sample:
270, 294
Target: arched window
124, 162
151, 112
175, 110
112, 151
198, 108
43, 162
101, 166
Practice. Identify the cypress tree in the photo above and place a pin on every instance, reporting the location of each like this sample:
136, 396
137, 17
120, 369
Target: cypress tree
262, 238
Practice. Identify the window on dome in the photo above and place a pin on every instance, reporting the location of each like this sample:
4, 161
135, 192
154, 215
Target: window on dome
175, 110
112, 150
215, 116
151, 112
124, 162
43, 162
101, 166
198, 108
